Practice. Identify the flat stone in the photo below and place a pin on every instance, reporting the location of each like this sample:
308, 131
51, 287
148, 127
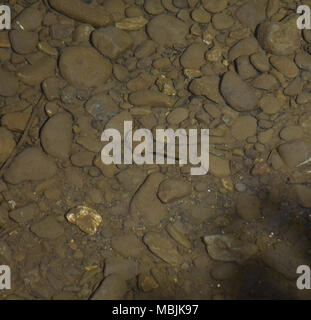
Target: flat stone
127, 268
295, 152
245, 47
131, 178
173, 189
22, 167
281, 38
229, 249
215, 6
56, 136
244, 127
111, 41
271, 104
207, 86
8, 83
153, 6
167, 30
113, 287
24, 214
266, 82
48, 228
251, 13
102, 107
177, 116
151, 98
37, 72
127, 245
146, 198
84, 67
117, 122
219, 167
132, 23
163, 247
94, 15
16, 121
238, 94
194, 56
285, 65
291, 133
23, 42
7, 144
30, 19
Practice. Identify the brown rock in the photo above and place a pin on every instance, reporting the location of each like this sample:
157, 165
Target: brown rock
111, 41
37, 72
222, 21
84, 67
8, 83
238, 94
167, 30
163, 247
244, 47
16, 121
29, 19
285, 65
295, 152
7, 144
244, 127
112, 288
193, 57
48, 228
248, 207
207, 86
22, 168
151, 98
23, 42
281, 38
173, 189
215, 6
147, 198
24, 214
266, 82
96, 16
219, 167
127, 245
56, 136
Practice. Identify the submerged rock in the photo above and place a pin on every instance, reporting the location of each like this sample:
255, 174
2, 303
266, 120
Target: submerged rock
281, 38
113, 287
84, 67
167, 30
163, 247
56, 136
22, 168
96, 16
86, 219
228, 249
146, 198
7, 144
151, 98
111, 41
8, 83
173, 189
237, 93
